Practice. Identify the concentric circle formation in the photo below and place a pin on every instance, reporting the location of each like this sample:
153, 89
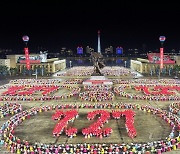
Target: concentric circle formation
15, 145
9, 109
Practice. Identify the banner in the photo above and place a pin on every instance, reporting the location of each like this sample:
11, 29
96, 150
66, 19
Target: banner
161, 57
155, 58
26, 50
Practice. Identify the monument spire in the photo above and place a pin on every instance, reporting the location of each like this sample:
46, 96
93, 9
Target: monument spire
99, 43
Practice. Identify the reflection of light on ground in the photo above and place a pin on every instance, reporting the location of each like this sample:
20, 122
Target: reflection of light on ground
118, 61
80, 61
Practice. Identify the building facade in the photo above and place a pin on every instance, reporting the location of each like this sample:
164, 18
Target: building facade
142, 66
5, 62
49, 66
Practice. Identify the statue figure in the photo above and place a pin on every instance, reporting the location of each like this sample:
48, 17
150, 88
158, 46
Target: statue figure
97, 59
43, 56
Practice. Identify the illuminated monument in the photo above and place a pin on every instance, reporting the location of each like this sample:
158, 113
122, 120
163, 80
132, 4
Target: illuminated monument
99, 43
97, 59
97, 78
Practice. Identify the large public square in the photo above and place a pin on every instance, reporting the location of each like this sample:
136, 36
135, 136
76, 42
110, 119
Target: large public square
89, 77
153, 128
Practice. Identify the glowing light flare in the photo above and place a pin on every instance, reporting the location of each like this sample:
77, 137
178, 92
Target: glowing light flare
79, 50
119, 50
25, 38
162, 38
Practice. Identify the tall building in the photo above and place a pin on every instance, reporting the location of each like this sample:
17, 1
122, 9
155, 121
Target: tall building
109, 50
89, 49
99, 43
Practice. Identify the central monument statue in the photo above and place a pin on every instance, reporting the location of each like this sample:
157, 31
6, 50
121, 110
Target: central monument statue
97, 59
97, 78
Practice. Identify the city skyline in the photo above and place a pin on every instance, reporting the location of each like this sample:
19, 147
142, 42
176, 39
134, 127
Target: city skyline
53, 25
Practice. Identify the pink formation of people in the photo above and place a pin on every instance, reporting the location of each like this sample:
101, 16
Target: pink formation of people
15, 145
163, 95
129, 123
175, 108
26, 93
158, 89
30, 90
97, 93
10, 109
95, 128
62, 124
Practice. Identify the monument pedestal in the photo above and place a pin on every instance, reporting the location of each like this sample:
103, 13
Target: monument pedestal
96, 80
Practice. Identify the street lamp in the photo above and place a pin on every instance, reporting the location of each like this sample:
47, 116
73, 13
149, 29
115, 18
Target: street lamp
25, 39
70, 63
161, 39
125, 63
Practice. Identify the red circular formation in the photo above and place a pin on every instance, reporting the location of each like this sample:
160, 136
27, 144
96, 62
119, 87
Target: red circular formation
15, 145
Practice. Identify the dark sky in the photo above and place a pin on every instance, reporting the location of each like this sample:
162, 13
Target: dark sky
58, 23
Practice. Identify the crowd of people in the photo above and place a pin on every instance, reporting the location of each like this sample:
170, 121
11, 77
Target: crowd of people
23, 93
95, 129
30, 90
78, 71
121, 91
147, 81
96, 96
16, 145
175, 108
97, 93
107, 71
35, 81
73, 81
117, 71
62, 124
129, 121
158, 89
9, 109
101, 87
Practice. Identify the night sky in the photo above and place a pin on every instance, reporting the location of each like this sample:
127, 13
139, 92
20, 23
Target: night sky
64, 23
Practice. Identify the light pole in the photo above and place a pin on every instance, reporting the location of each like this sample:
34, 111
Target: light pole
125, 63
26, 50
70, 63
161, 39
